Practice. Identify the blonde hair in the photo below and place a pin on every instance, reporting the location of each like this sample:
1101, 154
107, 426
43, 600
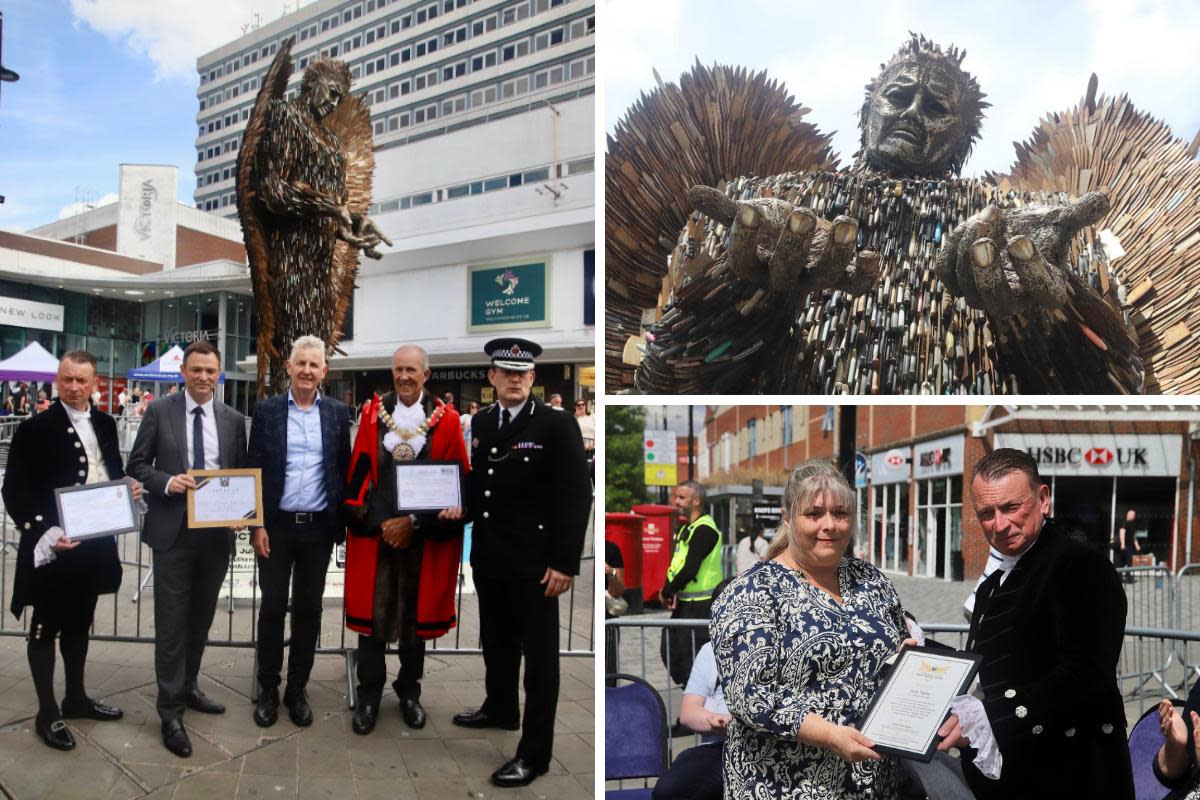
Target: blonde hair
808, 483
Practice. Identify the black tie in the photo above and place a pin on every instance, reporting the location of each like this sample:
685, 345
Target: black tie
505, 417
198, 438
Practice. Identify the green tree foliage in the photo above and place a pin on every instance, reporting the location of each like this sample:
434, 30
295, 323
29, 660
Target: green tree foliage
625, 480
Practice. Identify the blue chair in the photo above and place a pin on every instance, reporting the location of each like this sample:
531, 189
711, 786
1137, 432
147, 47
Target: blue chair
1144, 741
635, 735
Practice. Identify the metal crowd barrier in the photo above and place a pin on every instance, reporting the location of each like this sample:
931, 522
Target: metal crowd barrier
120, 617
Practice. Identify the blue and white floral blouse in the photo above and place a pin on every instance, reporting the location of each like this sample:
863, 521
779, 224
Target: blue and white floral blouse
785, 649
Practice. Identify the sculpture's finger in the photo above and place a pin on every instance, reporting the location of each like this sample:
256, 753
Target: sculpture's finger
831, 262
713, 203
861, 275
1039, 278
743, 247
980, 226
791, 251
1087, 210
990, 280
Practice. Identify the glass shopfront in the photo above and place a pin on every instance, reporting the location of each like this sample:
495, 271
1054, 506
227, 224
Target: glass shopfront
223, 318
105, 327
937, 546
889, 520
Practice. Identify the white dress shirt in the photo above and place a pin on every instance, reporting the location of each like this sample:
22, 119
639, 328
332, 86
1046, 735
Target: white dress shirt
212, 452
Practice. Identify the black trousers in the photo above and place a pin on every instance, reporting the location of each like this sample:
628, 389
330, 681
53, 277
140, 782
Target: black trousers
187, 579
694, 775
299, 559
516, 619
68, 615
372, 670
680, 645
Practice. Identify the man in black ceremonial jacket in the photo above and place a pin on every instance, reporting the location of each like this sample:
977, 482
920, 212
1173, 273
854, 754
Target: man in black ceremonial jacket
69, 444
530, 501
1049, 624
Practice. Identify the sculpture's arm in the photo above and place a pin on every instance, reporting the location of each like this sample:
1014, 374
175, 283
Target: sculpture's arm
281, 191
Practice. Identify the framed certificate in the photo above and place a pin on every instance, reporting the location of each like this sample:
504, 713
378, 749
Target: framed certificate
428, 486
913, 702
225, 498
96, 509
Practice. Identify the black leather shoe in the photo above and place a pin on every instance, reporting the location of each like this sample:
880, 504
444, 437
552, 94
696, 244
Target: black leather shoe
516, 773
55, 734
414, 713
481, 719
199, 701
298, 708
175, 738
364, 718
267, 710
91, 709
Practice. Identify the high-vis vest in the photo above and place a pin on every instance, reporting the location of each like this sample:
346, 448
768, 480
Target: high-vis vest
710, 572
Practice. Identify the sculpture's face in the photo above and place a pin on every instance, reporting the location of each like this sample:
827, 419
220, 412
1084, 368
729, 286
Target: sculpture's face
914, 126
325, 95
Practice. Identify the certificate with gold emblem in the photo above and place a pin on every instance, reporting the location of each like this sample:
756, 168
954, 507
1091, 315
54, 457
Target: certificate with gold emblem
914, 700
225, 498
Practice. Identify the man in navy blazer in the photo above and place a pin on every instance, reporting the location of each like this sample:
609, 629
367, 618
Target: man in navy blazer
300, 440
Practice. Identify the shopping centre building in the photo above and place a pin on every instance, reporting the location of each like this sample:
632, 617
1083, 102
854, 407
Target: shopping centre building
915, 466
484, 121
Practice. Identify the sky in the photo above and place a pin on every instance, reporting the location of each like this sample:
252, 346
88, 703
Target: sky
1030, 58
103, 82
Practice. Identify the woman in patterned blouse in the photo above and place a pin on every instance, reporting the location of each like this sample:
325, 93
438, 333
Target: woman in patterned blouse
800, 641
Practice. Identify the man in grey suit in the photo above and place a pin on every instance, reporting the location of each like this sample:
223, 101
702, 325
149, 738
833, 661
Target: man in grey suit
182, 431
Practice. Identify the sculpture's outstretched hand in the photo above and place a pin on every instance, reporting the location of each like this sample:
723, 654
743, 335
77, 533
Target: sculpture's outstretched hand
1011, 261
786, 248
361, 232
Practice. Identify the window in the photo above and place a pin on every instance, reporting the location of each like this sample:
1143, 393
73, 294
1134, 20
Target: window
493, 184
751, 439
458, 191
556, 36
393, 91
536, 175
477, 28
378, 128
405, 87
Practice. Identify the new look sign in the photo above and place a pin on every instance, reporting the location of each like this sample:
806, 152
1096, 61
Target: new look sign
29, 314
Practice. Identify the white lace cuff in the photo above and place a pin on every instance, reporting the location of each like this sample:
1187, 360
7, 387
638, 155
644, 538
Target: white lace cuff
43, 552
915, 631
972, 718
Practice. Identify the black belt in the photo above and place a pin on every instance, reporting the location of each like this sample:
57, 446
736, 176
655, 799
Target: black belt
302, 517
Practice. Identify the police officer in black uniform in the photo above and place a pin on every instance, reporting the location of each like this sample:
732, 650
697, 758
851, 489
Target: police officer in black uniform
530, 502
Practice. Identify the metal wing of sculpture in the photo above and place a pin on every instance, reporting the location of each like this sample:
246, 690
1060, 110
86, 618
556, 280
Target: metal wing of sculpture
274, 87
350, 122
1153, 180
717, 124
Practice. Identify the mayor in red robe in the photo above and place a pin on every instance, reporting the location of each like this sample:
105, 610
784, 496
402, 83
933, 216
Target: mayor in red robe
401, 568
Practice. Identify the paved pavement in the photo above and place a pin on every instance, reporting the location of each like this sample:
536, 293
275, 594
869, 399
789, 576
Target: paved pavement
236, 759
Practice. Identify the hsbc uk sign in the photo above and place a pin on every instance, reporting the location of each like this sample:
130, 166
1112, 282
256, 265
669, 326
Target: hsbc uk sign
1098, 454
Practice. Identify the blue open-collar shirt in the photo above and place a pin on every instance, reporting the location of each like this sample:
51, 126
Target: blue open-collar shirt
304, 477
